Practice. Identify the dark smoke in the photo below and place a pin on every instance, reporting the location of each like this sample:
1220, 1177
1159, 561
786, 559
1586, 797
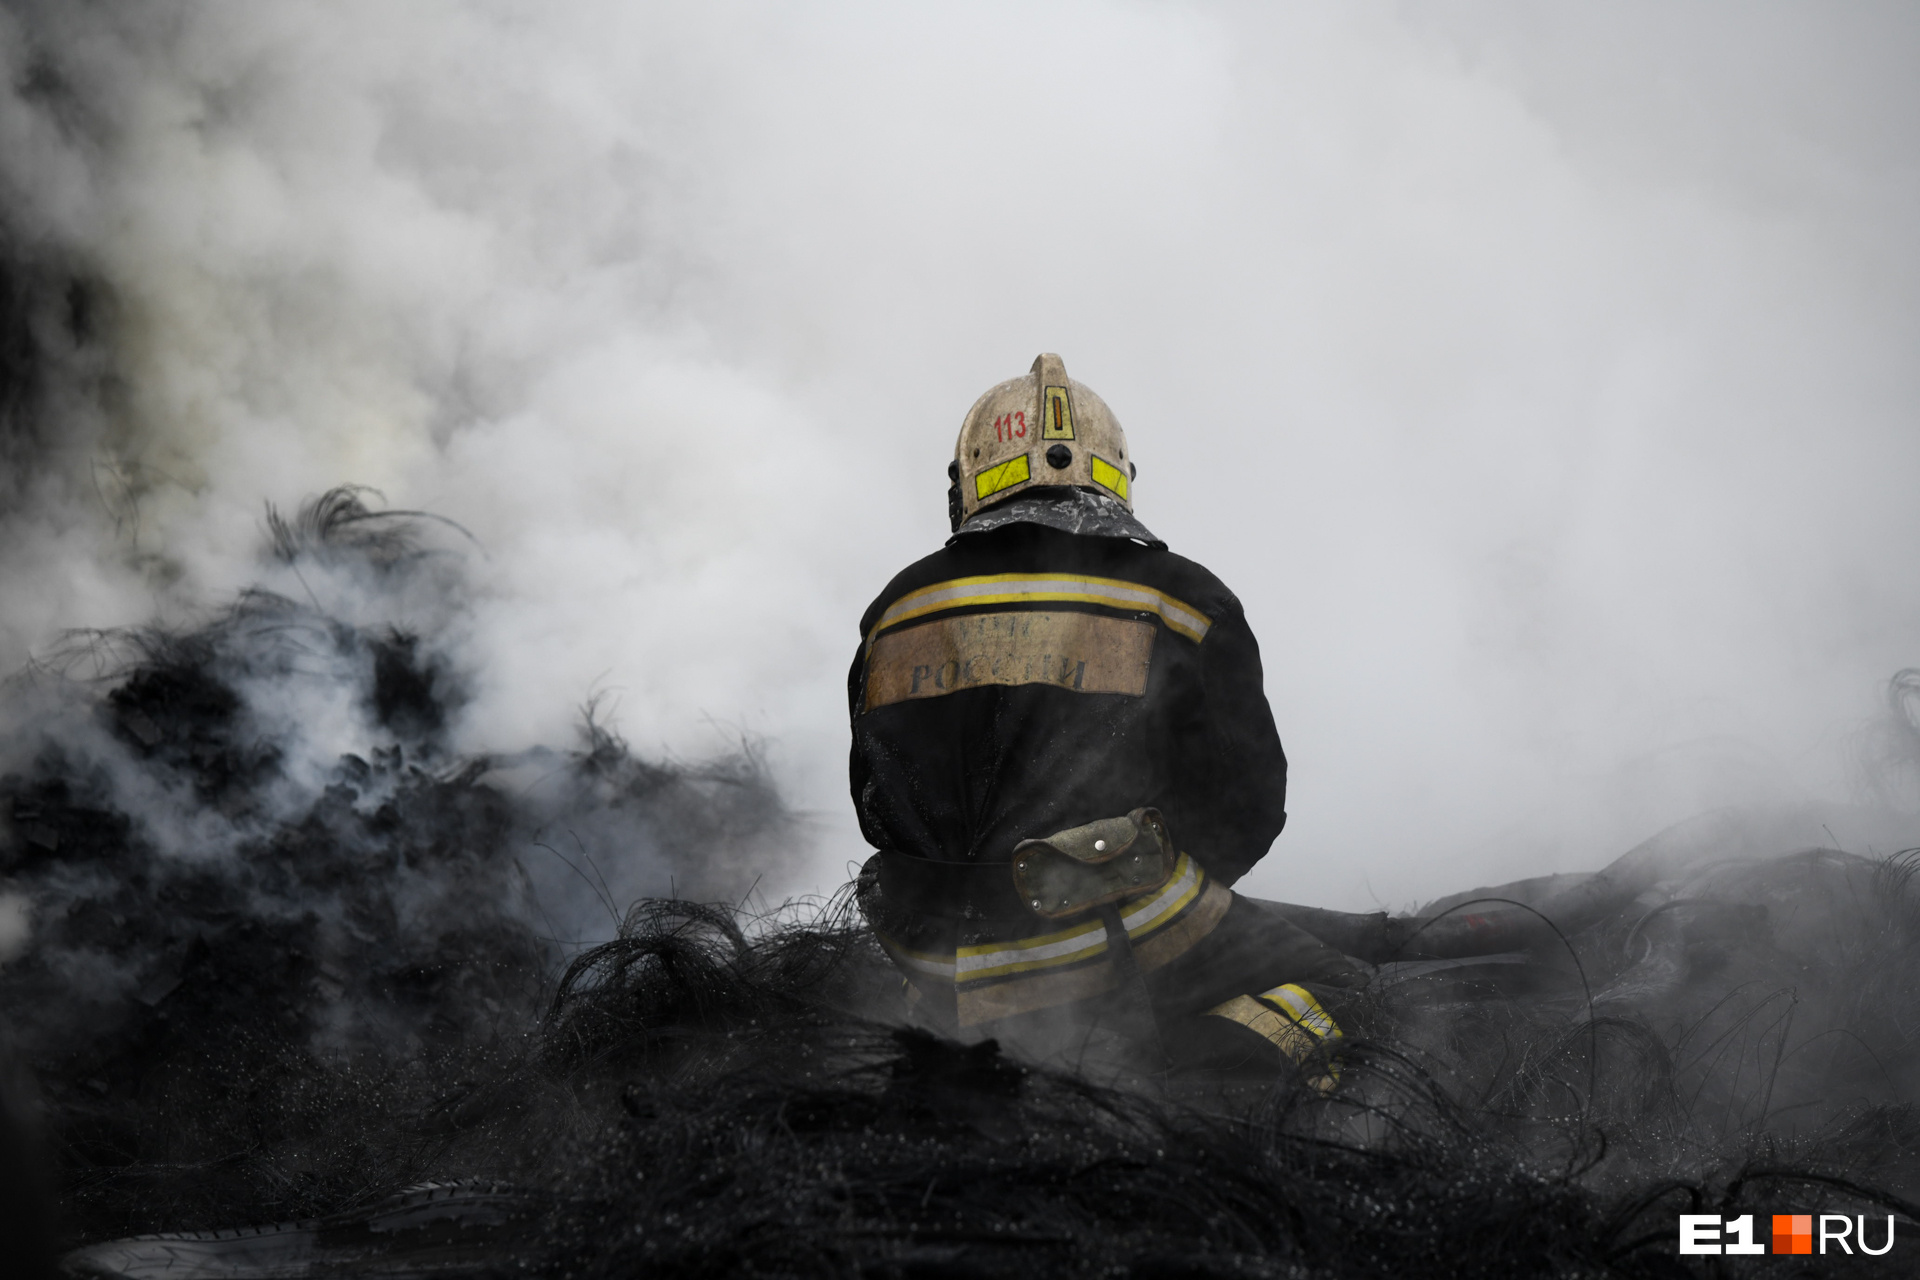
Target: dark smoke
226, 961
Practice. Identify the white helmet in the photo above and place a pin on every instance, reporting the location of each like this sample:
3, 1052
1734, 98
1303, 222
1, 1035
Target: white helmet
1040, 430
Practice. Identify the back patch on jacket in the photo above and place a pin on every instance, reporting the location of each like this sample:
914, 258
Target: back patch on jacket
1085, 652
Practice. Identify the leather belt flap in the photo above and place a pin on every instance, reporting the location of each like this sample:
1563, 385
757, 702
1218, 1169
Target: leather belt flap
1088, 866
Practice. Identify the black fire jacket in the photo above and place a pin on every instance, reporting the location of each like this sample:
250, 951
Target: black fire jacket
1026, 680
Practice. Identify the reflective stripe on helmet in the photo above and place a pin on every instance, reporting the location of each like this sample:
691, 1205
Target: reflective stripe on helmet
1005, 476
1057, 412
1108, 476
1039, 588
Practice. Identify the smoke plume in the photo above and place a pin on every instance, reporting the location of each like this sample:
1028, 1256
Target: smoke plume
1541, 381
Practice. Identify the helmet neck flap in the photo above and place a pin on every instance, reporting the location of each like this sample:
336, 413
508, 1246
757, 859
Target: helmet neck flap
1068, 510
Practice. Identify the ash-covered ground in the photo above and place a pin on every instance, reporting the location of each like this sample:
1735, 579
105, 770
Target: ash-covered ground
249, 990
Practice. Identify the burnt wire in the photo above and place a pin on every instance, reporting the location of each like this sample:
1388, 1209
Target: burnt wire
1586, 988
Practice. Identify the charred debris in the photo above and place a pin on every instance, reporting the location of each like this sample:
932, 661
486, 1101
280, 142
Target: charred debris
344, 1003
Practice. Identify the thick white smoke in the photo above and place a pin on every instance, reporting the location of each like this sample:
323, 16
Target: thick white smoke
1540, 379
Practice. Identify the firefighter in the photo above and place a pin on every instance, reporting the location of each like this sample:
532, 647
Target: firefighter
1063, 753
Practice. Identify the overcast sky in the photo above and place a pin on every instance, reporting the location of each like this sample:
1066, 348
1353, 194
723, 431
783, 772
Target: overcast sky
1542, 378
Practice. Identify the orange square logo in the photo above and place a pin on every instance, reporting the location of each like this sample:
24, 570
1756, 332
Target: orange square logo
1793, 1233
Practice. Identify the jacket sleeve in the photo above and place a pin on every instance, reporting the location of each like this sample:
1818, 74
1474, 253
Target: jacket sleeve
859, 769
1238, 774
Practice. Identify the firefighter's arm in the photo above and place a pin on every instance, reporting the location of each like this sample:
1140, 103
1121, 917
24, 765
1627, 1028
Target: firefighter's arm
1241, 774
859, 769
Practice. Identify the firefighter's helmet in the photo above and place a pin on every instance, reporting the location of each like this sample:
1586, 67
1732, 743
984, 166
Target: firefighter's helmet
1037, 431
